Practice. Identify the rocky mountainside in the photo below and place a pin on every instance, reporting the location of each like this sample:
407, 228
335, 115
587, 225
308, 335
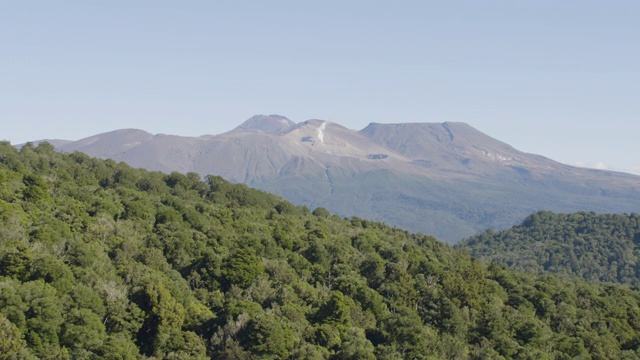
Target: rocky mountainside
445, 179
266, 123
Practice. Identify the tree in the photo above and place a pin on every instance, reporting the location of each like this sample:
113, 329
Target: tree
17, 262
268, 336
242, 268
83, 330
335, 311
11, 340
36, 189
118, 347
165, 320
355, 347
43, 315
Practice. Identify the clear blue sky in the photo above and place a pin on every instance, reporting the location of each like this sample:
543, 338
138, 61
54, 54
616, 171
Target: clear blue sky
556, 78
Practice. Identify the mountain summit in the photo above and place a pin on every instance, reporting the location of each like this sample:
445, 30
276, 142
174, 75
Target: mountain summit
266, 123
446, 179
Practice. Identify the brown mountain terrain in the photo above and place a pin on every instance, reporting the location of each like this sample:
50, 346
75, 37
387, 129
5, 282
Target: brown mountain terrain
445, 179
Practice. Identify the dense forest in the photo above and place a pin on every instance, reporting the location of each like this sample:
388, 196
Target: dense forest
594, 247
102, 261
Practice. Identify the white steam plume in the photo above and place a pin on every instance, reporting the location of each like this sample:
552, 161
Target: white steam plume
321, 132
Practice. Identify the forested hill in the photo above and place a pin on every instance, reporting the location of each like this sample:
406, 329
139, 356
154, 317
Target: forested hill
594, 247
100, 260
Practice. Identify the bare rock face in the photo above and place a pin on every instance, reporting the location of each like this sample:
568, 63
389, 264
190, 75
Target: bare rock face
445, 179
266, 123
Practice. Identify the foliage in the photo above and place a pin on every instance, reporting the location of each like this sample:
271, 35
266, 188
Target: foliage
100, 260
594, 247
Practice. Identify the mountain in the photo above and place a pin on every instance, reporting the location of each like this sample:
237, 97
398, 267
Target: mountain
453, 147
595, 247
99, 260
445, 179
266, 123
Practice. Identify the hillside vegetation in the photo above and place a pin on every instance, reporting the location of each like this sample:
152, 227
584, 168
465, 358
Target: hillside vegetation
594, 247
102, 261
444, 179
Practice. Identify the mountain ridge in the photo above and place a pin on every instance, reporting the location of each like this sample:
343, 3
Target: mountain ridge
446, 179
265, 123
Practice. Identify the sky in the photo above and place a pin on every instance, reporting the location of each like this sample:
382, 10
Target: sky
551, 77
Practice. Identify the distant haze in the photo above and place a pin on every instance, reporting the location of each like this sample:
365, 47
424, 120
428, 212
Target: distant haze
556, 78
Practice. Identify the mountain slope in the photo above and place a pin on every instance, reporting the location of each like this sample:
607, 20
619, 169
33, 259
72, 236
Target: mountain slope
101, 260
455, 147
446, 179
265, 123
593, 247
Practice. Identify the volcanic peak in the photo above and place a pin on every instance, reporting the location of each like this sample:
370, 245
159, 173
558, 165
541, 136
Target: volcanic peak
266, 123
